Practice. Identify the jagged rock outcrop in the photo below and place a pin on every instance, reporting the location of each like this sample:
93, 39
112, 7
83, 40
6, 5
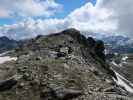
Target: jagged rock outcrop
99, 49
91, 41
63, 66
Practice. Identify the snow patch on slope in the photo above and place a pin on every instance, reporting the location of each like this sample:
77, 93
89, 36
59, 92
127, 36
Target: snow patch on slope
125, 58
124, 82
7, 58
4, 58
114, 63
117, 65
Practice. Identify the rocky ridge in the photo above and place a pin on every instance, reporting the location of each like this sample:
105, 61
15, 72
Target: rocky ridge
61, 66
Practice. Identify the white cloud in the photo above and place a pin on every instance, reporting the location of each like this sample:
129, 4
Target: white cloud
105, 17
30, 28
28, 8
123, 10
92, 18
4, 13
112, 17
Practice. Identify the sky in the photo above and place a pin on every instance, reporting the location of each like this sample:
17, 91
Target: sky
67, 7
20, 19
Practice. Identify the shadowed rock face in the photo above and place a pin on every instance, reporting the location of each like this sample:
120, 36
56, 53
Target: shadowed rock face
7, 84
99, 49
91, 41
62, 66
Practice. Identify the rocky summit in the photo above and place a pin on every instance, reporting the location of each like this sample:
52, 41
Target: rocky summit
60, 66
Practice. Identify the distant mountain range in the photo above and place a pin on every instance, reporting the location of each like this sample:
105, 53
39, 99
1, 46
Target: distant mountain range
120, 44
7, 44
